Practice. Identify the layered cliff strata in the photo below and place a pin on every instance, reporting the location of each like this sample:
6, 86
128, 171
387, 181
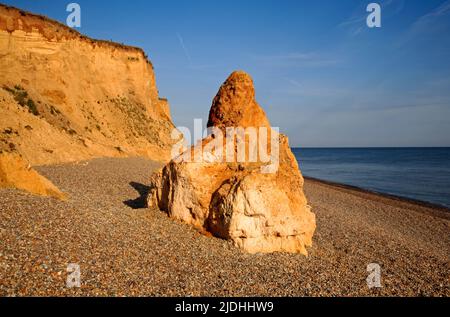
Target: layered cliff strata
257, 204
65, 97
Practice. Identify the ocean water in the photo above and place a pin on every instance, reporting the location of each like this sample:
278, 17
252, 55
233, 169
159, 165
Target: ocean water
417, 173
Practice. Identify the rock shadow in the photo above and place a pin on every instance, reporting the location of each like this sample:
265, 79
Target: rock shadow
141, 201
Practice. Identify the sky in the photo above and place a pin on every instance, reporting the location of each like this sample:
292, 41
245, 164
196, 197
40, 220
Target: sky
322, 76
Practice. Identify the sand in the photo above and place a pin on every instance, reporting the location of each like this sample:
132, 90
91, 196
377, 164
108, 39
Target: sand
124, 249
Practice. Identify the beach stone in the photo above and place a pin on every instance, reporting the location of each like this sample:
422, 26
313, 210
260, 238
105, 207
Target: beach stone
258, 205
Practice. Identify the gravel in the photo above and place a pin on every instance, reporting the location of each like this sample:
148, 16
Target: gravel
124, 249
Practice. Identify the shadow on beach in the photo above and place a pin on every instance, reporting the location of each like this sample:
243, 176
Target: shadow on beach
141, 201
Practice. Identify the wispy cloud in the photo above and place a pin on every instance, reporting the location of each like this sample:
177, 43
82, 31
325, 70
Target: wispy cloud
295, 83
427, 20
355, 19
356, 23
333, 98
191, 65
430, 94
185, 50
296, 59
443, 9
293, 87
434, 21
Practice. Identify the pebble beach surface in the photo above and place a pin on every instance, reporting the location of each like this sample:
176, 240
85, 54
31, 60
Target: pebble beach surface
124, 249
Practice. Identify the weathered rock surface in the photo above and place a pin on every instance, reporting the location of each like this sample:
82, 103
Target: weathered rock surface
16, 173
235, 104
259, 212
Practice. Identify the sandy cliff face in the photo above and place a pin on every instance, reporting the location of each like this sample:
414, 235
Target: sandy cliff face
65, 97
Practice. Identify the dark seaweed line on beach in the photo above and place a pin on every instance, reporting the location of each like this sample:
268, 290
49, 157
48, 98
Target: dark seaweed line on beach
433, 209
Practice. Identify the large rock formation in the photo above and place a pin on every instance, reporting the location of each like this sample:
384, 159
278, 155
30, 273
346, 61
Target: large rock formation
259, 205
65, 97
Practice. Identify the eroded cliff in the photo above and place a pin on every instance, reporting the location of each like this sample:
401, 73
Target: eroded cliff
65, 97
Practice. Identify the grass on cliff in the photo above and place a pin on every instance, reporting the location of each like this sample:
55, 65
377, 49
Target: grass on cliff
22, 98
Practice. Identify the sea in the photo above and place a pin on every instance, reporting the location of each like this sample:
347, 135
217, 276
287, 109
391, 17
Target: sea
417, 173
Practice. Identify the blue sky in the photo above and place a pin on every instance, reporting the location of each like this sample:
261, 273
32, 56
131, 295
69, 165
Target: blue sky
320, 73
